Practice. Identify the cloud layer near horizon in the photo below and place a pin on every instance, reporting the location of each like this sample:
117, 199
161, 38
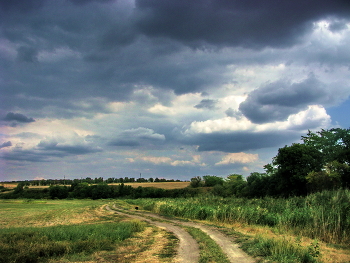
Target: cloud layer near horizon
167, 88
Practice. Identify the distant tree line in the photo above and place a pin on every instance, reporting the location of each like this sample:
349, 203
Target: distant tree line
84, 190
320, 163
97, 180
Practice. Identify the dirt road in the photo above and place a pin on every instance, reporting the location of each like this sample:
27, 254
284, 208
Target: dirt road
188, 251
187, 244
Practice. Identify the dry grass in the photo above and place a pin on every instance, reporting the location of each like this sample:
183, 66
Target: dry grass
9, 186
145, 247
17, 213
163, 185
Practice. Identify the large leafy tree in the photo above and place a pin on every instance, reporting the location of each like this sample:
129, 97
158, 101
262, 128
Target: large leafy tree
212, 180
293, 163
333, 144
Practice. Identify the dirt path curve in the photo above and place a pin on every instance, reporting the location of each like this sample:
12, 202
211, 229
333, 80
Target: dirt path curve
188, 251
232, 250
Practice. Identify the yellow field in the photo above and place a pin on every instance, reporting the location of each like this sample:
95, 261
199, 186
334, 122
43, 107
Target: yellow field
163, 185
8, 185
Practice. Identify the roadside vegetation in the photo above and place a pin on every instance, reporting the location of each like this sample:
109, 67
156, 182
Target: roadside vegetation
325, 216
283, 230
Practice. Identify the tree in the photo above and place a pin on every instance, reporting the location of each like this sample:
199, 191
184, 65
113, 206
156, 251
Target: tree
293, 164
258, 184
234, 185
19, 188
196, 182
60, 192
101, 190
333, 176
334, 144
212, 180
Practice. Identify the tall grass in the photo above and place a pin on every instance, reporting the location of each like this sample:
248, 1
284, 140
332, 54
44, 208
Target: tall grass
325, 215
281, 250
40, 243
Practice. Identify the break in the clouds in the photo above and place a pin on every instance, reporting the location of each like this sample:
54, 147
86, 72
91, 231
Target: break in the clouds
171, 89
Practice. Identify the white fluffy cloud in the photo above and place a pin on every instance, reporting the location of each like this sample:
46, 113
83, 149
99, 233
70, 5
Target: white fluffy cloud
238, 158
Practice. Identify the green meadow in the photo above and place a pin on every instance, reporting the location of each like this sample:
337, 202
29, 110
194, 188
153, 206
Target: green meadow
36, 231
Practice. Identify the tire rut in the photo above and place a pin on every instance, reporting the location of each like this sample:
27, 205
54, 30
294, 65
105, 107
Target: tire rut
231, 249
188, 251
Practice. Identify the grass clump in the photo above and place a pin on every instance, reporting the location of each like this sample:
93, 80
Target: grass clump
282, 250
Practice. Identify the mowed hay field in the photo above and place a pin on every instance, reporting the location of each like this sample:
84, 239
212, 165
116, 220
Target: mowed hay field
163, 185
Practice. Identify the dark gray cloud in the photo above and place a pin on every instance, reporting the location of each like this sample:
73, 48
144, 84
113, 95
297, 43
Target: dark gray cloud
27, 54
23, 6
18, 117
233, 113
52, 146
251, 23
206, 104
6, 144
47, 151
20, 155
276, 101
109, 54
82, 2
337, 26
138, 137
241, 141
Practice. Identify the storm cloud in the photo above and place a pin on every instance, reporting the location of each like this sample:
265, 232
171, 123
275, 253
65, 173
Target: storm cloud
252, 23
6, 144
18, 117
170, 88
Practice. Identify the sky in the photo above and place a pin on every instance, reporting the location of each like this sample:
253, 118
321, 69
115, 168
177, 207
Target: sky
167, 89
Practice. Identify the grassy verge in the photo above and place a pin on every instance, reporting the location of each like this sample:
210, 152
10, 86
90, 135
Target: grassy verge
325, 216
321, 221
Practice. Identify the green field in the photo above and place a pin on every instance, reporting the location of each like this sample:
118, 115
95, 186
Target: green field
70, 231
